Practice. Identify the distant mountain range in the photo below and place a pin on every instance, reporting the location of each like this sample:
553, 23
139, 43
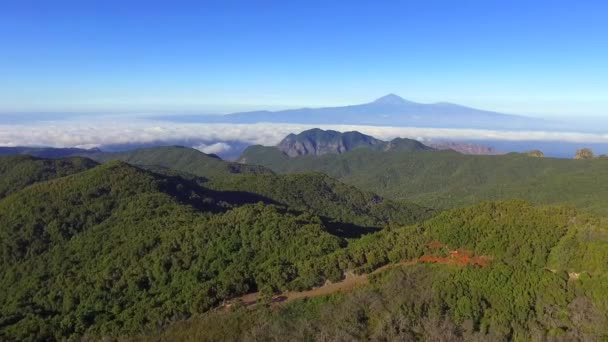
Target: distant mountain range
47, 152
389, 110
464, 148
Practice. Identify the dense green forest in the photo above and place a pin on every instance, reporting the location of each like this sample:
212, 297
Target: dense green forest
118, 249
447, 179
136, 251
546, 279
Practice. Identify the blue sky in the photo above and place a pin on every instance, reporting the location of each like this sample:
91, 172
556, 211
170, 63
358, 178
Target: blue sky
543, 58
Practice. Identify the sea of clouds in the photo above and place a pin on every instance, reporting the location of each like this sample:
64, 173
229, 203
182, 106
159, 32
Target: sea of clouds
217, 138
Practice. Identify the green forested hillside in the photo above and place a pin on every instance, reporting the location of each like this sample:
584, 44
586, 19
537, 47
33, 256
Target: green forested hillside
17, 172
445, 179
117, 249
529, 290
182, 159
313, 192
101, 251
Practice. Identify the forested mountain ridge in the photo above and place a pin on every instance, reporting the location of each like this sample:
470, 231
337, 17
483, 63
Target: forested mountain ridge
17, 172
446, 179
182, 159
313, 192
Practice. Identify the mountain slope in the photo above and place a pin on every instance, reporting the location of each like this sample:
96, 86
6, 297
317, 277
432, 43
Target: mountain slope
348, 210
182, 159
444, 179
118, 249
513, 295
17, 172
337, 202
91, 252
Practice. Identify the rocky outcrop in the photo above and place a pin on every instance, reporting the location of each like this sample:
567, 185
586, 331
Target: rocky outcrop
319, 142
584, 153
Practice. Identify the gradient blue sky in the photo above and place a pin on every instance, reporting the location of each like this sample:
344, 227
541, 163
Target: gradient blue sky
543, 58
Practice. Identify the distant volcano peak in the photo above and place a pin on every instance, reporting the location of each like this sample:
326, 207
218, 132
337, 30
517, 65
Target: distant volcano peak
391, 99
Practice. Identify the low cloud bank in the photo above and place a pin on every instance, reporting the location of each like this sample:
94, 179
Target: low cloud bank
217, 148
97, 133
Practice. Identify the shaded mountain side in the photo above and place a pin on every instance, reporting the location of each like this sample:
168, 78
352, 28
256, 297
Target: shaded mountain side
324, 196
406, 145
349, 211
445, 179
529, 289
17, 172
337, 202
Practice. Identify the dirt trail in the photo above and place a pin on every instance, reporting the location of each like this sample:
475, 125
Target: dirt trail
457, 257
350, 282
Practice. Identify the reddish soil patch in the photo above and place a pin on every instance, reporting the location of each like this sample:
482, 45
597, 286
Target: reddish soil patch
458, 257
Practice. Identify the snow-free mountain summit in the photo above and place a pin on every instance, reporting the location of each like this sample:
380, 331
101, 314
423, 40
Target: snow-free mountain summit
389, 110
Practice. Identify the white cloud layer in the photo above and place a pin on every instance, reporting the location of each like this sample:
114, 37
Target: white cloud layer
108, 132
216, 148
